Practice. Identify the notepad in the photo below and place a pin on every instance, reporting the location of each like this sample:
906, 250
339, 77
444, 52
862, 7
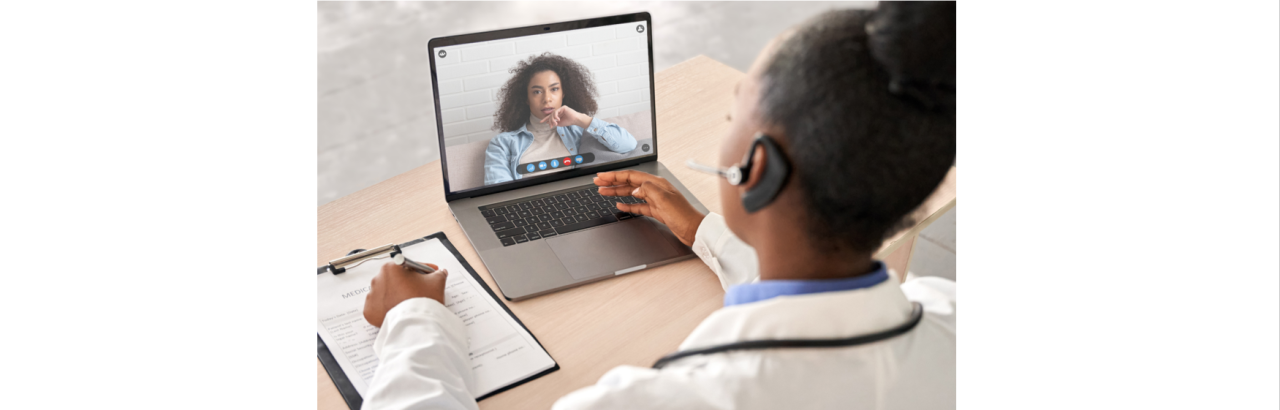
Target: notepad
503, 352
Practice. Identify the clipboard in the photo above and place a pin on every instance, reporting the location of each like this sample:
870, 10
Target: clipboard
348, 390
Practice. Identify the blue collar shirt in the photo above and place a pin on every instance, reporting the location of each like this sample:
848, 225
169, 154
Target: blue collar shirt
767, 289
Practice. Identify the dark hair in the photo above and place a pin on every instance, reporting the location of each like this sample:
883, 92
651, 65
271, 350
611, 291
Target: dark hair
867, 102
575, 83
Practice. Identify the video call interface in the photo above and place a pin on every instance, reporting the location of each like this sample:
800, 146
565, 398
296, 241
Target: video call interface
532, 106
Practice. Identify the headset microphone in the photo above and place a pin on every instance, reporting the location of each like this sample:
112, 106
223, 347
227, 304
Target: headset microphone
772, 179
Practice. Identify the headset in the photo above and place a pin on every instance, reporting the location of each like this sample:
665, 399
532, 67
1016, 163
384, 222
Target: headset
777, 169
774, 177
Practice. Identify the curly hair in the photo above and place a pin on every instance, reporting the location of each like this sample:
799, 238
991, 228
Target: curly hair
575, 81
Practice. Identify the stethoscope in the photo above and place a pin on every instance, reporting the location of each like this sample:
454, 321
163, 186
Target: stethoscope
917, 312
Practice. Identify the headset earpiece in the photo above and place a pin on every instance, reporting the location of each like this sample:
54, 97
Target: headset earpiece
734, 175
772, 178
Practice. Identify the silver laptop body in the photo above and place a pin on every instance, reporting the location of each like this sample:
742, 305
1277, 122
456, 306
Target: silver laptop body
510, 223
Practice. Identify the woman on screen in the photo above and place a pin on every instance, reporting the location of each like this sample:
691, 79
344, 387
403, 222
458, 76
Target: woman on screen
543, 112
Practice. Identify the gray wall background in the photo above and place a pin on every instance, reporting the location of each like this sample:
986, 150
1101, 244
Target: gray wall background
472, 75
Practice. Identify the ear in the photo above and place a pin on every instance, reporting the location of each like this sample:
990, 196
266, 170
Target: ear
758, 164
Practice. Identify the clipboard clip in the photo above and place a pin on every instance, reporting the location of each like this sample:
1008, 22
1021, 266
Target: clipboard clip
359, 256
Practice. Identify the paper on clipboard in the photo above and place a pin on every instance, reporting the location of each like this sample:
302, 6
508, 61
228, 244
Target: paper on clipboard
502, 351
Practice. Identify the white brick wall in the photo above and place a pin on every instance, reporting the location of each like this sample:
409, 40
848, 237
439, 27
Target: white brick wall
470, 75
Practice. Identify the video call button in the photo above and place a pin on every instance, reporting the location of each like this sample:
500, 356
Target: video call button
569, 161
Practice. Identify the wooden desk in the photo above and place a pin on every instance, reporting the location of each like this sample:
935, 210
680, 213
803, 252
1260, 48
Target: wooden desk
629, 320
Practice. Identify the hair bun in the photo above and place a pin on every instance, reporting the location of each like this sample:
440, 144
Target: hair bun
915, 42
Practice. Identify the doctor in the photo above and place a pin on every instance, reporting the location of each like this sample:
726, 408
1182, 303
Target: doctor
842, 127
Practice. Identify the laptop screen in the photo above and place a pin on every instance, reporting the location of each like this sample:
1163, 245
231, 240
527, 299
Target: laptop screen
530, 107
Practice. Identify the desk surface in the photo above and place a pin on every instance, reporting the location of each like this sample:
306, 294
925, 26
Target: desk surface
629, 320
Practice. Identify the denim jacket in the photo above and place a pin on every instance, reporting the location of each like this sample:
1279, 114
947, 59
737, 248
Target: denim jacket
503, 153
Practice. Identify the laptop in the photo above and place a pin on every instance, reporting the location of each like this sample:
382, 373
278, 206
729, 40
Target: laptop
522, 188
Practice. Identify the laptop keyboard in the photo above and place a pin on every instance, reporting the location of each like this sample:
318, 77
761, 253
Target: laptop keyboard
555, 213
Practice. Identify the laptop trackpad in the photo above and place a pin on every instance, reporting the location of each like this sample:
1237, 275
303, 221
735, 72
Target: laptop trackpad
614, 247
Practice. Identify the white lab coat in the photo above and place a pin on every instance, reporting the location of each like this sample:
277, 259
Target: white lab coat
423, 359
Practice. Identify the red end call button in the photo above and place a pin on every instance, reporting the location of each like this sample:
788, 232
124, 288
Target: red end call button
567, 161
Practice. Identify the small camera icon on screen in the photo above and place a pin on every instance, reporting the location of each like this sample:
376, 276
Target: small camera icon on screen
442, 54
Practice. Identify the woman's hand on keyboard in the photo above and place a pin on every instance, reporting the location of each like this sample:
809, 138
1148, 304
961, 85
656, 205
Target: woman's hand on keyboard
664, 201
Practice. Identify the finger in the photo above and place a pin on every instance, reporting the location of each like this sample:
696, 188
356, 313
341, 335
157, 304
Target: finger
416, 271
608, 185
439, 276
650, 191
634, 178
641, 192
616, 190
442, 275
605, 178
614, 178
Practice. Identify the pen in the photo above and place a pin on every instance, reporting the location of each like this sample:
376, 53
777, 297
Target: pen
419, 266
401, 260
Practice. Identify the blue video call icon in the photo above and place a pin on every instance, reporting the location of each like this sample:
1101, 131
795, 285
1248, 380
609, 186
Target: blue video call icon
577, 159
542, 165
530, 168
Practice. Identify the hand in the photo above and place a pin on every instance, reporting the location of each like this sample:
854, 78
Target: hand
665, 203
565, 116
397, 284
